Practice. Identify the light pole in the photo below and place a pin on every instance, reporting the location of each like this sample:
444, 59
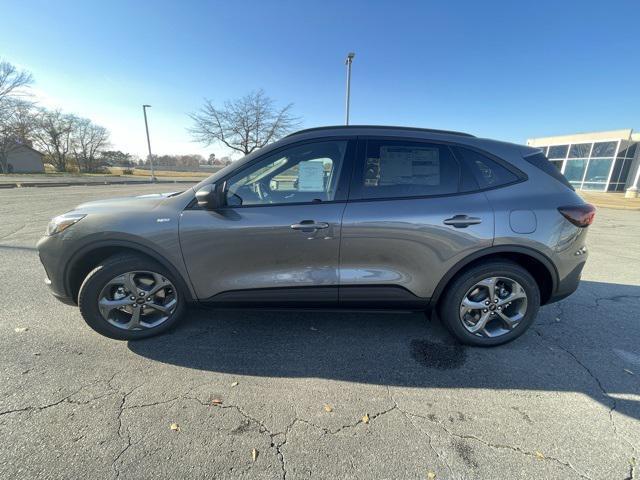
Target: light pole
146, 126
348, 62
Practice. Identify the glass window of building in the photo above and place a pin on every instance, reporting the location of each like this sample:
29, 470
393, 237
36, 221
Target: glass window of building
580, 150
631, 151
558, 151
604, 149
574, 170
598, 170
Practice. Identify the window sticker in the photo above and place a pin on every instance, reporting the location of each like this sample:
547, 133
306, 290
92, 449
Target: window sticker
409, 165
311, 177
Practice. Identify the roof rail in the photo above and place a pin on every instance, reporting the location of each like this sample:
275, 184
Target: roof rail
382, 127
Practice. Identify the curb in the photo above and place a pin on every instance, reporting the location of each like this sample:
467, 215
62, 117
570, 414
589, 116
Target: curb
85, 184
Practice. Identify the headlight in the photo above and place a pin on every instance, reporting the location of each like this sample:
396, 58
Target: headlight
62, 222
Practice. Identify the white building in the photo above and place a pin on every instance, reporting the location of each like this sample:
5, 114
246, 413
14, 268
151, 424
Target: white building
601, 161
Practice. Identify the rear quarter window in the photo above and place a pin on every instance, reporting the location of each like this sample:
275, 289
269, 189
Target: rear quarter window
487, 172
540, 161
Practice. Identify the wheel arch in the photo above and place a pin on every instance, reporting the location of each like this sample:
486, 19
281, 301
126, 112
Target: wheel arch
536, 263
88, 258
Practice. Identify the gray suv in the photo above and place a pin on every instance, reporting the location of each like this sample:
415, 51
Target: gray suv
336, 217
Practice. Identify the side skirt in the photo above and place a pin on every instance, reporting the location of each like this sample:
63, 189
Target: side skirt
345, 298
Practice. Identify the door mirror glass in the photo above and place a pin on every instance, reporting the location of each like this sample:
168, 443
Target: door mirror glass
211, 196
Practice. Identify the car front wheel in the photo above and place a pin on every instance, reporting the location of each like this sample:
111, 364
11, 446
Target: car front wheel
490, 304
128, 297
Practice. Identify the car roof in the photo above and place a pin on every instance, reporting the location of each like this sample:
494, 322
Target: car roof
374, 130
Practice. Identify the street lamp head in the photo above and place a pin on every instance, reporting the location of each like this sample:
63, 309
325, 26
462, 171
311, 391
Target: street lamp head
350, 57
146, 106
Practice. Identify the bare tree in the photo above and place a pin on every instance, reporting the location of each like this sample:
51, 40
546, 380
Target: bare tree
17, 122
244, 125
88, 140
13, 81
16, 115
54, 137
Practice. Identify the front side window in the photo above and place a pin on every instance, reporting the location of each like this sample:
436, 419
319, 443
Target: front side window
301, 174
397, 169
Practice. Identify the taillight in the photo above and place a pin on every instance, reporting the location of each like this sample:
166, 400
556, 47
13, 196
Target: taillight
580, 215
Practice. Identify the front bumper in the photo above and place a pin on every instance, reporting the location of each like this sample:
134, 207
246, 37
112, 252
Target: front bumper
67, 300
51, 256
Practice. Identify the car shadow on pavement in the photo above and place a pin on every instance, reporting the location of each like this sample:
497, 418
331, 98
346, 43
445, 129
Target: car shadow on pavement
586, 344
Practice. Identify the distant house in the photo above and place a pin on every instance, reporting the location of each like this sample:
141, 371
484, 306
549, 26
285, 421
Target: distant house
24, 159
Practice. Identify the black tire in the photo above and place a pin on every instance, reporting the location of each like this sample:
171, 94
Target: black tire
110, 268
449, 305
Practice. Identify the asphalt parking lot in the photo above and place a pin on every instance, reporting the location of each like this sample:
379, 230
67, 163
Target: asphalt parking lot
316, 395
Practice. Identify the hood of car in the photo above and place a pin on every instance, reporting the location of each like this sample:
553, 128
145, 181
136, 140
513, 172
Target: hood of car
141, 202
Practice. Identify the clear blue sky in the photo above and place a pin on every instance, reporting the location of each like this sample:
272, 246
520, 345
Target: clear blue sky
508, 70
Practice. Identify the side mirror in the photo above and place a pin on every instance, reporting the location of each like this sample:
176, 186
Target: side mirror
211, 196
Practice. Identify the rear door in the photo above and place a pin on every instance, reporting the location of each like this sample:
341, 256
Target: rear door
413, 213
280, 228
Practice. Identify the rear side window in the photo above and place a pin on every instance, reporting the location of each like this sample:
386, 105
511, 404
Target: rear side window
540, 161
397, 169
487, 172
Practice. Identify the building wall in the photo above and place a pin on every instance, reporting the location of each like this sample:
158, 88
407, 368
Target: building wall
25, 160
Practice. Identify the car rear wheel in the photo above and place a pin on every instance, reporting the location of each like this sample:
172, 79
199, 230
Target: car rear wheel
490, 303
128, 297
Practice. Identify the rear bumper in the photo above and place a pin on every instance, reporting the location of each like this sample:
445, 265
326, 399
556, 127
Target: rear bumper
568, 284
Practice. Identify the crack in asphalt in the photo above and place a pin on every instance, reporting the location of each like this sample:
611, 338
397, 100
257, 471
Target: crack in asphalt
429, 438
616, 298
501, 446
121, 408
65, 399
613, 402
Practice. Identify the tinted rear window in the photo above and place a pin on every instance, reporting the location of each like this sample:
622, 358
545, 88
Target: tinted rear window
540, 161
487, 172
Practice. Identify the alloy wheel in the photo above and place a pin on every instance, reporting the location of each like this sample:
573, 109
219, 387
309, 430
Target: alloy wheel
138, 300
493, 307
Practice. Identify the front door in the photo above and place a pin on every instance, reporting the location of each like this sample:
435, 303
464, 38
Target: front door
279, 229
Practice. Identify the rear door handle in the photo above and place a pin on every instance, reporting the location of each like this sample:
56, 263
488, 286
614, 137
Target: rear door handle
309, 225
462, 221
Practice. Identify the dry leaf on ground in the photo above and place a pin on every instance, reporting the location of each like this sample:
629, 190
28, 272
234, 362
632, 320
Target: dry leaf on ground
175, 427
216, 401
21, 329
431, 475
365, 419
234, 384
540, 455
254, 454
328, 408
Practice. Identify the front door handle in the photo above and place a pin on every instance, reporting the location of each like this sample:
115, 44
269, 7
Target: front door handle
462, 221
309, 225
